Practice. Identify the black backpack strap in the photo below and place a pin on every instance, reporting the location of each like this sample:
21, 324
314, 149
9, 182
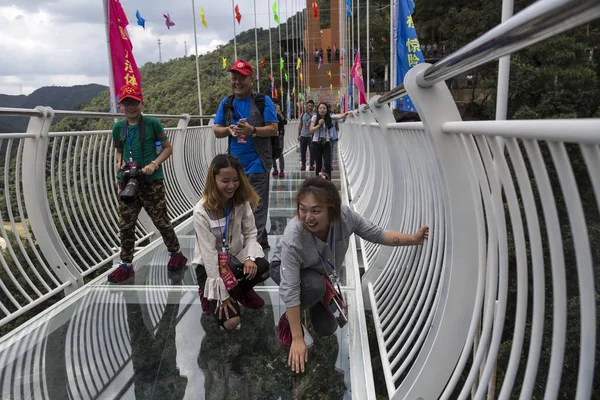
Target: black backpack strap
259, 100
228, 110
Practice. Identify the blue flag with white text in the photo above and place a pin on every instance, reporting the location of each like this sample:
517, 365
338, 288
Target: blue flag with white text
408, 49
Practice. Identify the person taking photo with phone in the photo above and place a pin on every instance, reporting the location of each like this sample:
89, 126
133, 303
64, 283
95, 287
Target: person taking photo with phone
249, 120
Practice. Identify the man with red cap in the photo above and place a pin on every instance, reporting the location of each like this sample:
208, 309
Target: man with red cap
249, 120
141, 145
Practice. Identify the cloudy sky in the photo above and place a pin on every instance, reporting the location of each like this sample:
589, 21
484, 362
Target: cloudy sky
63, 42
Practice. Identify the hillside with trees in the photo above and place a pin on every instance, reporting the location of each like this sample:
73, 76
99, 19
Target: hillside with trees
57, 97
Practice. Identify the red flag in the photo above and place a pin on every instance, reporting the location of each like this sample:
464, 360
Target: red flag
315, 9
262, 63
334, 45
124, 67
356, 74
238, 16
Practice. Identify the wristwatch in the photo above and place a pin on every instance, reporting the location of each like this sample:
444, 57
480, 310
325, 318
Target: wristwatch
253, 135
251, 258
155, 164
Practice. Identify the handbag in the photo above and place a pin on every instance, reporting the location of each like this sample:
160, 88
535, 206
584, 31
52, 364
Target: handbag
228, 266
334, 303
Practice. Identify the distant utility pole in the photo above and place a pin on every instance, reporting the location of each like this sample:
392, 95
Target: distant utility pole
159, 52
185, 44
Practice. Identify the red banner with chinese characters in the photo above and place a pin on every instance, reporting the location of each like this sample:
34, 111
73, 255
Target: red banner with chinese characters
357, 75
124, 68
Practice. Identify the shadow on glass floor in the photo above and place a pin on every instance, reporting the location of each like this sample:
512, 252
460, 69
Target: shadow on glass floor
155, 343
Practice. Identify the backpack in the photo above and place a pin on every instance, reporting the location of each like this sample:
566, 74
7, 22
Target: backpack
259, 100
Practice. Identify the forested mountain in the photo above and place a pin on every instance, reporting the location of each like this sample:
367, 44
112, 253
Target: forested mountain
57, 97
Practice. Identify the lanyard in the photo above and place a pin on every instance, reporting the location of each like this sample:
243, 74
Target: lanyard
130, 135
330, 249
226, 222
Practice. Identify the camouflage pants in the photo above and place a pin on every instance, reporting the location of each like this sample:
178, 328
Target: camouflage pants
150, 196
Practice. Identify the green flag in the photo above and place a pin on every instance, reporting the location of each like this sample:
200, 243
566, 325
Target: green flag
275, 16
286, 77
280, 63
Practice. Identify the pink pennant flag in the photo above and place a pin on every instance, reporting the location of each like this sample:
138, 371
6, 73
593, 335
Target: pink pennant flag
356, 74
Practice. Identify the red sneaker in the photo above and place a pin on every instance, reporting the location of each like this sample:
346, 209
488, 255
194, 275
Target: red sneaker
176, 261
275, 172
282, 174
204, 303
312, 168
122, 273
303, 167
284, 333
247, 298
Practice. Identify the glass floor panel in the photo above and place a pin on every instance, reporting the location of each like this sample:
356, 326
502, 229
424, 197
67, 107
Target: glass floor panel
149, 339
154, 343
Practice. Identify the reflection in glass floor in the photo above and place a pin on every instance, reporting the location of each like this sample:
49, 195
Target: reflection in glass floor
141, 343
149, 339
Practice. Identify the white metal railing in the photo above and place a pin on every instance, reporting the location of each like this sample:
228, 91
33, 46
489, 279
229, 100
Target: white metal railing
508, 223
59, 219
59, 203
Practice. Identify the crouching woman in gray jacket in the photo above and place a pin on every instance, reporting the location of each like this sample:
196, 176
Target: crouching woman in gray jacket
313, 248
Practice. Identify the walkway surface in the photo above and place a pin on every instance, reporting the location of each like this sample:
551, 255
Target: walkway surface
149, 339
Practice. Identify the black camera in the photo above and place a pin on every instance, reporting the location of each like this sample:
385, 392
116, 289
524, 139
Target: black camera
132, 179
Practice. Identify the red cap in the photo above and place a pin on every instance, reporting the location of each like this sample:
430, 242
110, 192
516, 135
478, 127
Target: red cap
242, 67
131, 91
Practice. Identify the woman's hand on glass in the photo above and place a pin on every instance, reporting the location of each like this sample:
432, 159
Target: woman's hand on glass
225, 307
298, 355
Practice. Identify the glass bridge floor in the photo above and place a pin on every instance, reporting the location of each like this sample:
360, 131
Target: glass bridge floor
150, 339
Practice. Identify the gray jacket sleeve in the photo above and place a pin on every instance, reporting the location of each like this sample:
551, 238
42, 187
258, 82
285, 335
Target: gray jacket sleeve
365, 228
289, 287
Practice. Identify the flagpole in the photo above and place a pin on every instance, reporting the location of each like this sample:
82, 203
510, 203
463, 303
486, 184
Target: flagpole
503, 70
111, 78
351, 56
287, 48
392, 41
280, 70
294, 57
270, 40
256, 44
197, 66
234, 34
368, 57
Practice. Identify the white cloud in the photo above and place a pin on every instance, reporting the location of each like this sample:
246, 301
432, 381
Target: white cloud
63, 42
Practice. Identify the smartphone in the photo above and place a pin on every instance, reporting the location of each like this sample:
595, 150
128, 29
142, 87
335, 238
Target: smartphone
242, 138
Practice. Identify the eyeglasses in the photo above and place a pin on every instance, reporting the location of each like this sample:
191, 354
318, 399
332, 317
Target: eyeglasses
130, 103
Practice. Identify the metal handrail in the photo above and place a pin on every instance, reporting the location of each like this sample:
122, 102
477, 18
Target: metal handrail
537, 22
23, 112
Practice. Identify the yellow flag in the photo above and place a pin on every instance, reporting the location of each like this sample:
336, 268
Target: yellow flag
224, 63
301, 77
203, 18
330, 86
298, 63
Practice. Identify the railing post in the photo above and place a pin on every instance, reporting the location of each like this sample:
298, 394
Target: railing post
179, 163
35, 195
446, 339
